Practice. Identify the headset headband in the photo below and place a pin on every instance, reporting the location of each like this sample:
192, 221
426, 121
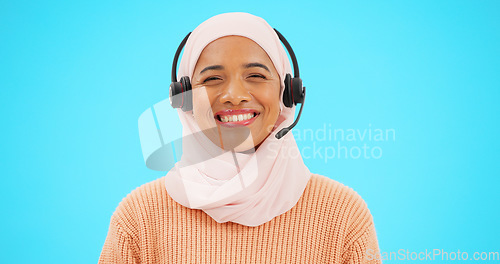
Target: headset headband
280, 36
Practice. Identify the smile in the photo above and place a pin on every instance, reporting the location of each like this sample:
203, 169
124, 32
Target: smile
233, 118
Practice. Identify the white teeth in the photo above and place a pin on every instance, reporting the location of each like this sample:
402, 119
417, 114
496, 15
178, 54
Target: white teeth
236, 118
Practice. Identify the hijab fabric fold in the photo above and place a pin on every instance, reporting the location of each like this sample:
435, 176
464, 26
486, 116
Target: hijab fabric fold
241, 187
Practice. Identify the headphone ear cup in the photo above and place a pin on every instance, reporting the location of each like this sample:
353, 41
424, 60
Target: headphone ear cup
187, 94
175, 94
287, 95
297, 91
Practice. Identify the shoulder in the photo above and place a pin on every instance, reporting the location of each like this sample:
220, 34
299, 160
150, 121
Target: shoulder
145, 200
342, 203
335, 191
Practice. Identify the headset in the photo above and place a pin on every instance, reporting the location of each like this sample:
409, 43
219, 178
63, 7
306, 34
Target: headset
180, 92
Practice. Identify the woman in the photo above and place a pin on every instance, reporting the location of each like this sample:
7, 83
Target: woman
239, 194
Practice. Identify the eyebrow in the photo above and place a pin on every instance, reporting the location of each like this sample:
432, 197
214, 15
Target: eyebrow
212, 67
248, 65
256, 64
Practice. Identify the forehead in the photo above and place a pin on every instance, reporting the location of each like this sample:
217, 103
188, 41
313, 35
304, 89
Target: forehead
233, 49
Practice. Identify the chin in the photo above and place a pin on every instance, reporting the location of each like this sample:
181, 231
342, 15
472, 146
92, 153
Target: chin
236, 139
246, 147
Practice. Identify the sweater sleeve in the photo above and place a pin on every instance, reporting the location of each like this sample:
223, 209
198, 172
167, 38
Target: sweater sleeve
119, 246
365, 249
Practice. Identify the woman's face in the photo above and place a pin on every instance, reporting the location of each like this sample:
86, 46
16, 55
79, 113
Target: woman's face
236, 92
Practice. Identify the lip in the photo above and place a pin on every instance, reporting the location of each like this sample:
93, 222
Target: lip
236, 112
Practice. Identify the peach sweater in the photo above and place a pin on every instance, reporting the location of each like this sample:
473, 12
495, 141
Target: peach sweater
329, 224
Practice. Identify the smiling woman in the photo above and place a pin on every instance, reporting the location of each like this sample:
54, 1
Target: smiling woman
234, 85
237, 195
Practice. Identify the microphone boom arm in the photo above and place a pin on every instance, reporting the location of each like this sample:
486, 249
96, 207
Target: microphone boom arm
285, 130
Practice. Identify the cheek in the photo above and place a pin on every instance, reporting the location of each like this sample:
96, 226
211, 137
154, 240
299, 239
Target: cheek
271, 103
202, 109
200, 98
271, 100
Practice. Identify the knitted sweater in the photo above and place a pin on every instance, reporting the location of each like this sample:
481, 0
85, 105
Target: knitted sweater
329, 224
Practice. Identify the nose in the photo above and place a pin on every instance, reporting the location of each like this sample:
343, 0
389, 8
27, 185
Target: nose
235, 93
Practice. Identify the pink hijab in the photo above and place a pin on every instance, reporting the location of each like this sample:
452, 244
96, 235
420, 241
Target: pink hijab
246, 188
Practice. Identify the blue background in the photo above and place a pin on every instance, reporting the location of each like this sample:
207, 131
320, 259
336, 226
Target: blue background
76, 76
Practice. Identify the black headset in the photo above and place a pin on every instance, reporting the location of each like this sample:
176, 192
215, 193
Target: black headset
294, 93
